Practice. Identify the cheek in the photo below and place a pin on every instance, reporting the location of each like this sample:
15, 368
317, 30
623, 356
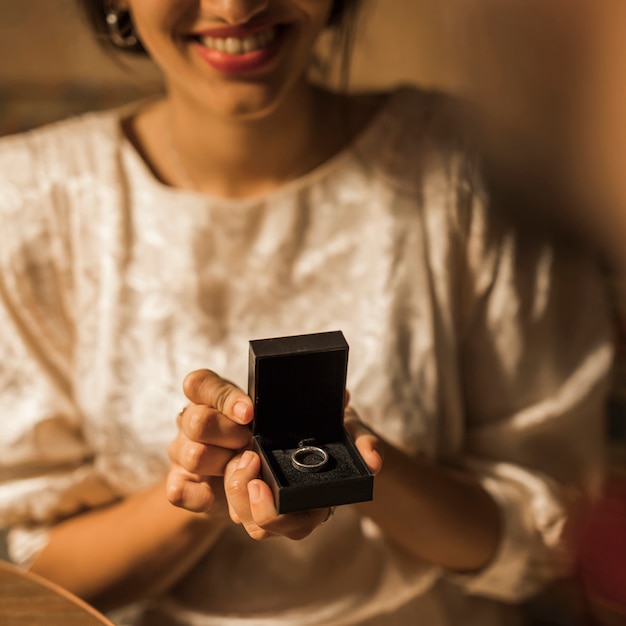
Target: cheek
146, 23
158, 21
160, 45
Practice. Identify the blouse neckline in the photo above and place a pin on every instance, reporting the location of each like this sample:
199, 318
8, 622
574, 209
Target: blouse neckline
360, 142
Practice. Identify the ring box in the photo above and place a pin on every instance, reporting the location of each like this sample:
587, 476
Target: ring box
297, 384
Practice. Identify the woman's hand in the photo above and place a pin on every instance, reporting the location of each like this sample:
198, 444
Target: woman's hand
214, 440
367, 443
212, 429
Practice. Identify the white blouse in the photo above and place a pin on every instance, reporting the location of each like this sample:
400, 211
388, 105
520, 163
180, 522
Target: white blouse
470, 343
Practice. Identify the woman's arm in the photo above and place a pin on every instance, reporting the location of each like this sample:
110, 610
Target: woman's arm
440, 515
126, 551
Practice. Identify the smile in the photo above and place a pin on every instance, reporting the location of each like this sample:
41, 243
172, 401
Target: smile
239, 45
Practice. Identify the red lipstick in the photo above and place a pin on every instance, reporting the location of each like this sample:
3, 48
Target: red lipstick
240, 49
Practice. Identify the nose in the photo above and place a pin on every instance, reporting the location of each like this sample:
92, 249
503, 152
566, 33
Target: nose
233, 11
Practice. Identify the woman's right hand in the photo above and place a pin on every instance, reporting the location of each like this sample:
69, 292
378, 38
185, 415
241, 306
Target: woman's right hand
212, 429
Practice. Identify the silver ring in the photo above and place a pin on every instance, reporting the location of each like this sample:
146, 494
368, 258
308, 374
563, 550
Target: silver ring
309, 459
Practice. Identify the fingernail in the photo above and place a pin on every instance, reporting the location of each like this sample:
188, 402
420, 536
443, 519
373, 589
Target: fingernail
254, 491
240, 411
246, 457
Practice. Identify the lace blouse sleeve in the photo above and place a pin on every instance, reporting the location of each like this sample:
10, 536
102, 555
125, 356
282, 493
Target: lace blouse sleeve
46, 470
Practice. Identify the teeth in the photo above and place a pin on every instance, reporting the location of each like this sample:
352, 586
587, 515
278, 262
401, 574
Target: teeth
234, 45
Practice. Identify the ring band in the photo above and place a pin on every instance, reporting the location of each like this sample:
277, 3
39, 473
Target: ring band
309, 459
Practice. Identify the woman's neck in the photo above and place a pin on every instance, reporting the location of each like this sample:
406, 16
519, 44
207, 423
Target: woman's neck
235, 158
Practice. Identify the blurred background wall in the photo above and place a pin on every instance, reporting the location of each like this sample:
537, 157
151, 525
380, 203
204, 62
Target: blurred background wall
50, 66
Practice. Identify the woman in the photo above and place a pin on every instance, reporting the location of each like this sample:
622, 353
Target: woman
147, 243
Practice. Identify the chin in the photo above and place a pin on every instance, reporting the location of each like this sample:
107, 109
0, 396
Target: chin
249, 102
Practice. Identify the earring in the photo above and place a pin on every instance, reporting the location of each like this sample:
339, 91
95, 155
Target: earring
120, 27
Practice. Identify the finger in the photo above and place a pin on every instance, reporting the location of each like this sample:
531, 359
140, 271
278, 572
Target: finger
370, 447
206, 387
189, 491
240, 480
251, 504
238, 473
206, 424
266, 521
199, 458
371, 450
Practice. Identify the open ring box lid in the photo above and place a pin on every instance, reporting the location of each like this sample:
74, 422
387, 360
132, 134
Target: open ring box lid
297, 384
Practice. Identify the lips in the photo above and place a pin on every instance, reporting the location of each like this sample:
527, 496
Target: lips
239, 49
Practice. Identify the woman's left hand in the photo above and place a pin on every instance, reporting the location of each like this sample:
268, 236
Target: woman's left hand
251, 502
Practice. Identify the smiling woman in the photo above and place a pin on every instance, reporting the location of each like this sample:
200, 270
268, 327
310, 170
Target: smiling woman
142, 244
221, 61
60, 70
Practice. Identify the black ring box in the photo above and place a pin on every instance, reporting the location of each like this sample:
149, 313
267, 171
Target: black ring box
297, 384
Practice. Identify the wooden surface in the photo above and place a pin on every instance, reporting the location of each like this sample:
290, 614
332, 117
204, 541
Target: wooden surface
28, 600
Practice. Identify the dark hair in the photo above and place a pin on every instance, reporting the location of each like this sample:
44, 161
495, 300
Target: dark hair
343, 13
342, 20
